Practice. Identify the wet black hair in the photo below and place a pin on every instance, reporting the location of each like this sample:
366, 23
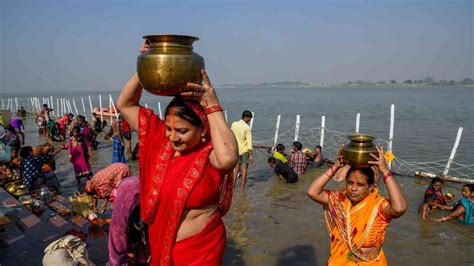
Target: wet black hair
272, 160
247, 114
469, 186
435, 180
182, 110
365, 171
298, 145
25, 151
78, 128
280, 147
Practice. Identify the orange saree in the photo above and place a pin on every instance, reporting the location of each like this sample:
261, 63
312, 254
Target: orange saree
166, 183
352, 228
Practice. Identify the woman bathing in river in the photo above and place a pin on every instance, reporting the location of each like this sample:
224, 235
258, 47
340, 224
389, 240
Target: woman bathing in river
464, 210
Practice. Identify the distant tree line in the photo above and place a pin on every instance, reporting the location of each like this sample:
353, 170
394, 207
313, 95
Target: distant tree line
426, 81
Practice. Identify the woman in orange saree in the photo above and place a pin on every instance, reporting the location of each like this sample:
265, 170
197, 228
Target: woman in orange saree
357, 217
184, 161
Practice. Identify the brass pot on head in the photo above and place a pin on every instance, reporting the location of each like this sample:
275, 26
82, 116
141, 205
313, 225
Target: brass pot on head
357, 152
169, 64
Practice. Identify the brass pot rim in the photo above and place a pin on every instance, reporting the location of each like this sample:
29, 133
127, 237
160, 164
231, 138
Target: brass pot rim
361, 137
175, 38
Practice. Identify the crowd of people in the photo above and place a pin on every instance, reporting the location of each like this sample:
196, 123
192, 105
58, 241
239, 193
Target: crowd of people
190, 162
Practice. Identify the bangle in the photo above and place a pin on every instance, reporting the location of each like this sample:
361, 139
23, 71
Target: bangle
386, 176
444, 220
326, 173
212, 109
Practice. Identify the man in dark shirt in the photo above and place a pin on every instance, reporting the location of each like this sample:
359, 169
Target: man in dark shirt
283, 170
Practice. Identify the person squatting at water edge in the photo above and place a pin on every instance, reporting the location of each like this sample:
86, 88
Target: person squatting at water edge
186, 178
243, 134
434, 199
464, 210
357, 218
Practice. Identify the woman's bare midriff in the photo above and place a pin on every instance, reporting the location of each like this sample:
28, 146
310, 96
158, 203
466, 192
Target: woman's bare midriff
194, 221
368, 252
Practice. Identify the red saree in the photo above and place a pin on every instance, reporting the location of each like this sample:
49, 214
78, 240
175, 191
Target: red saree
165, 185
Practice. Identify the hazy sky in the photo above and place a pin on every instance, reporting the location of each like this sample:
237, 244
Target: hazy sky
93, 45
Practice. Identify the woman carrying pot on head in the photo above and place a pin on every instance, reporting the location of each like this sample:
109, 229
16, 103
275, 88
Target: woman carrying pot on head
186, 180
357, 218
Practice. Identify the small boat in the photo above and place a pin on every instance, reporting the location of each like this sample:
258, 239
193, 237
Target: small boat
106, 112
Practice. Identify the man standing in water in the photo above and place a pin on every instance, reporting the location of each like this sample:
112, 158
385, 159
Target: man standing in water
243, 135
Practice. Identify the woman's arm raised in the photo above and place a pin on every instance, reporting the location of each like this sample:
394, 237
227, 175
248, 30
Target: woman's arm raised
225, 153
397, 203
128, 101
315, 190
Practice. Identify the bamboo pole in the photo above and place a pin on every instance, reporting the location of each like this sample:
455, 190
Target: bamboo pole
75, 106
90, 105
251, 121
52, 105
323, 124
357, 122
69, 107
100, 106
83, 108
159, 110
277, 128
453, 152
390, 137
110, 110
297, 127
444, 177
113, 105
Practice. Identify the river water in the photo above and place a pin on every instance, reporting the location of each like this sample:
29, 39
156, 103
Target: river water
277, 224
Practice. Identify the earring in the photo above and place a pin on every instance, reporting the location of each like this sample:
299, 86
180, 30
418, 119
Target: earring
203, 139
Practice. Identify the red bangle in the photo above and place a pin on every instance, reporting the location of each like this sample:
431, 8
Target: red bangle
387, 175
212, 109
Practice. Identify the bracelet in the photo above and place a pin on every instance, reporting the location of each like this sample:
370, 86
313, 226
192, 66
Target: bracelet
387, 175
444, 220
332, 172
212, 109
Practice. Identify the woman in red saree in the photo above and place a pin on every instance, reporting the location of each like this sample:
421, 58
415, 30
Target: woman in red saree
357, 217
186, 164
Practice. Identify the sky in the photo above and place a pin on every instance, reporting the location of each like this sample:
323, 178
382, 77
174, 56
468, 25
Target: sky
93, 45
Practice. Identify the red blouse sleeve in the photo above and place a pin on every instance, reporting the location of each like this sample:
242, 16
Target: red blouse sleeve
148, 124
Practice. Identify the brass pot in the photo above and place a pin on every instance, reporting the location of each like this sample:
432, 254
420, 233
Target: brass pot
169, 64
20, 192
11, 187
357, 152
21, 187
